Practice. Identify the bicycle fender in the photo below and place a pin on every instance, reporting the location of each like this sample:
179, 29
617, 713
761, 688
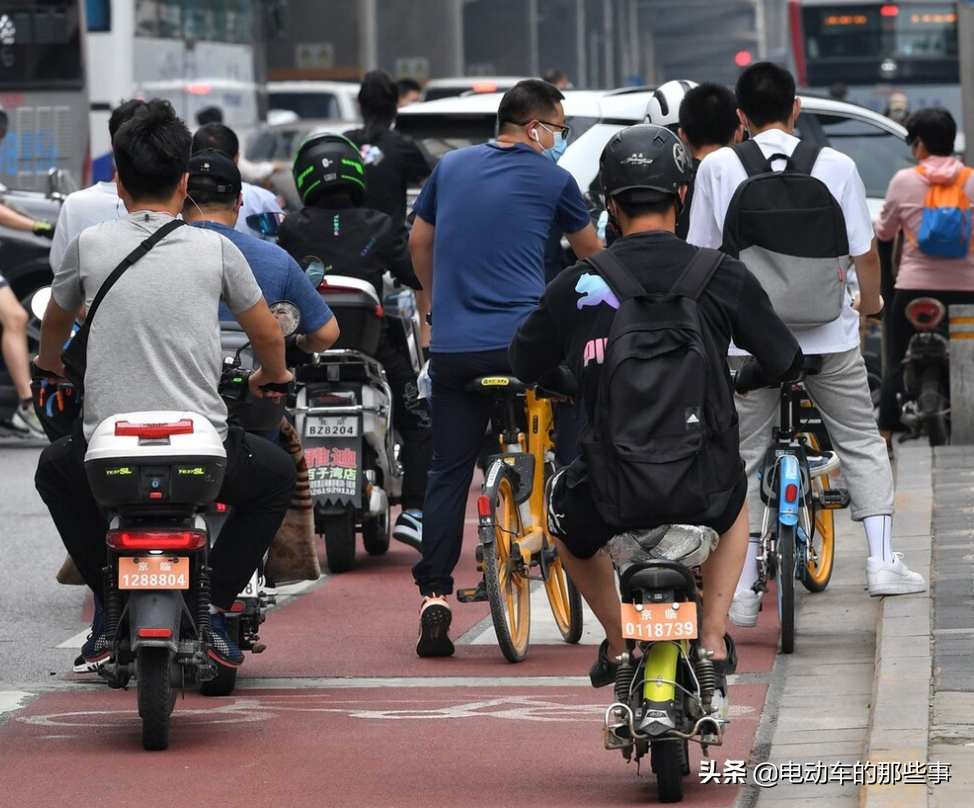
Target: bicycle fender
789, 474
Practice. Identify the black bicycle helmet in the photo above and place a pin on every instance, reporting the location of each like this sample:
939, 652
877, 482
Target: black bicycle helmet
646, 163
327, 161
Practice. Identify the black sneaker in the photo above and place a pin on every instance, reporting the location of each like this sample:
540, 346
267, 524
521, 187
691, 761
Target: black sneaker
409, 529
434, 628
222, 648
97, 649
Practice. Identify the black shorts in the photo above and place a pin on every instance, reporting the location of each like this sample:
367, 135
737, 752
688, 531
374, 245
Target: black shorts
578, 523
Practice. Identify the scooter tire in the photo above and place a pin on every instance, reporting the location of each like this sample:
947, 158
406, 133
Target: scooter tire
932, 402
155, 695
339, 530
377, 533
668, 759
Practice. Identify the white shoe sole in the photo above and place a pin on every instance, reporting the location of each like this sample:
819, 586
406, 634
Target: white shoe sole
904, 588
743, 622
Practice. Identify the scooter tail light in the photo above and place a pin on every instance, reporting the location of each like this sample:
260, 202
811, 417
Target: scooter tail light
184, 426
791, 493
925, 313
238, 606
187, 540
155, 633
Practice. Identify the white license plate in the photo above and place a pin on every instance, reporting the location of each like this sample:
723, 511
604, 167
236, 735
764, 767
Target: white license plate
341, 426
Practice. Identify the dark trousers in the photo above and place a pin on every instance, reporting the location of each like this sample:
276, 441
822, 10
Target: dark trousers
411, 418
259, 484
900, 332
461, 420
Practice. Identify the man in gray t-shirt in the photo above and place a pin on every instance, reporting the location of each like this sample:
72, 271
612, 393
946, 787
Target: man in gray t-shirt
154, 344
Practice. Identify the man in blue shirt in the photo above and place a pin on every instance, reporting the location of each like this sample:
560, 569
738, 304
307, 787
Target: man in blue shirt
478, 244
213, 203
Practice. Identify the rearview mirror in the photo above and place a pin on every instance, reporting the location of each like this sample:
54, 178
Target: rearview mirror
288, 316
267, 224
314, 268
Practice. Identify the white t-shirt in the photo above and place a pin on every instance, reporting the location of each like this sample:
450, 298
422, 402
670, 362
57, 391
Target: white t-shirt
93, 205
716, 181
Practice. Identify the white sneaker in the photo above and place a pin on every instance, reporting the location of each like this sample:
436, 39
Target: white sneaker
892, 579
25, 420
744, 610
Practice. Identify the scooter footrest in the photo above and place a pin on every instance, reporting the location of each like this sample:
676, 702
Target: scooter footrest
833, 498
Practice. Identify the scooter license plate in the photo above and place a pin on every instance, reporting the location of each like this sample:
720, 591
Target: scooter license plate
336, 426
660, 621
153, 572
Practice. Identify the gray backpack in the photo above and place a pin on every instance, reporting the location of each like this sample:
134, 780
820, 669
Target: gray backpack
790, 232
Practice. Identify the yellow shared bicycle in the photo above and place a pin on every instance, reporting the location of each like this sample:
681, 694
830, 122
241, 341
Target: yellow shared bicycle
515, 548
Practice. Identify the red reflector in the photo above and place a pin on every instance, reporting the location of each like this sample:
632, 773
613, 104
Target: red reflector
156, 539
126, 429
155, 633
155, 495
791, 492
221, 507
889, 11
238, 606
379, 312
483, 506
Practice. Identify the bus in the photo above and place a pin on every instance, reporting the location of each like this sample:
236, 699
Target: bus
195, 53
42, 93
878, 48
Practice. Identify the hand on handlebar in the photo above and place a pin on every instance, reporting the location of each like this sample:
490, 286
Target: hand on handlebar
261, 384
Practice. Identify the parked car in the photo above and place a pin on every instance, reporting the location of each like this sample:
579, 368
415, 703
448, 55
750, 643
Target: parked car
466, 85
328, 100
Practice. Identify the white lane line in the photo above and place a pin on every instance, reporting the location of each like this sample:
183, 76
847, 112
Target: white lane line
13, 700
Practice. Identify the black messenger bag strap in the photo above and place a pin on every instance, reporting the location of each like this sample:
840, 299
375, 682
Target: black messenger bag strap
126, 262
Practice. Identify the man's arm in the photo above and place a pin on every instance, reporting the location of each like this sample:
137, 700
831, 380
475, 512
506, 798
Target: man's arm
585, 241
421, 249
868, 301
320, 339
267, 340
55, 330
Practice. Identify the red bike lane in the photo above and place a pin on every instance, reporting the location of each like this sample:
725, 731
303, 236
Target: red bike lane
340, 711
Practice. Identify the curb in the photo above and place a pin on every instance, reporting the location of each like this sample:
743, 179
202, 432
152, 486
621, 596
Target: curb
899, 716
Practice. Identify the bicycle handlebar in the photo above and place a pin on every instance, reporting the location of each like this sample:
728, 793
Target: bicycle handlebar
751, 377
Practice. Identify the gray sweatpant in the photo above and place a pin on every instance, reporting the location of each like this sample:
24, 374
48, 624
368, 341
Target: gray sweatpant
841, 393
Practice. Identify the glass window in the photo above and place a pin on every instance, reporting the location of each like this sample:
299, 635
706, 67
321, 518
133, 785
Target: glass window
98, 15
40, 45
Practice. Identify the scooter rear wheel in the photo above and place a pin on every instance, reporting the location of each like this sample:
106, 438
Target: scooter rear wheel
339, 530
376, 534
786, 586
156, 697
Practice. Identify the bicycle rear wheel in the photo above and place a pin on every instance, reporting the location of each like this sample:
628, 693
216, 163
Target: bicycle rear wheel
786, 586
508, 589
821, 545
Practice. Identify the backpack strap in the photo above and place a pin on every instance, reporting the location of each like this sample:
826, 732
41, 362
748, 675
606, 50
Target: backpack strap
616, 274
804, 156
751, 157
698, 273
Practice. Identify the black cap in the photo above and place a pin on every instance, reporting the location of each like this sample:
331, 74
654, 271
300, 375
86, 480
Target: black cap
213, 171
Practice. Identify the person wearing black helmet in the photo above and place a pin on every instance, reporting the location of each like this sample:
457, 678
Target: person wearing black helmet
644, 171
358, 241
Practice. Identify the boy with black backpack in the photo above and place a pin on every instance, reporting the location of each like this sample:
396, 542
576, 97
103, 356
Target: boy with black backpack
661, 446
795, 215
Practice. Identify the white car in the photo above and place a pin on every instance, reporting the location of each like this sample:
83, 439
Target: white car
330, 100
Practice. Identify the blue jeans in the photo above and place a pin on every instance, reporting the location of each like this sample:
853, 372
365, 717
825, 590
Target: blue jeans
460, 420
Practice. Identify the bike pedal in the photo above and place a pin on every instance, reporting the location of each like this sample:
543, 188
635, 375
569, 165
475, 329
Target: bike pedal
475, 595
835, 498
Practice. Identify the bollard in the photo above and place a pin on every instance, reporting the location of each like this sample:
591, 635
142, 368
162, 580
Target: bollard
961, 374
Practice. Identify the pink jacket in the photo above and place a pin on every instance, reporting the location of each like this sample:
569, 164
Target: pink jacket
903, 208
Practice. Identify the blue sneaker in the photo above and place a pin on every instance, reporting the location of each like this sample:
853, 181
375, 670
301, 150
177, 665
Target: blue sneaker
222, 648
97, 649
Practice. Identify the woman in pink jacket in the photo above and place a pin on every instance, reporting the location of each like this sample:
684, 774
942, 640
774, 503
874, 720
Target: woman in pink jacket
930, 134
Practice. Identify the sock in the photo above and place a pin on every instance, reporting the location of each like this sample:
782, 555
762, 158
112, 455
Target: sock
879, 531
749, 575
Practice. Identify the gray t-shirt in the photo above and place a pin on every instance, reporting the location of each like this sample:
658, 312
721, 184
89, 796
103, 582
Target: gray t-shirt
155, 340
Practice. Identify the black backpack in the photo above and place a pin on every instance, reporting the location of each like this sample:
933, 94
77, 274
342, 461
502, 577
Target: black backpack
790, 232
662, 446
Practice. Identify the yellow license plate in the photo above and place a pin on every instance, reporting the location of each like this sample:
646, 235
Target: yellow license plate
660, 621
153, 572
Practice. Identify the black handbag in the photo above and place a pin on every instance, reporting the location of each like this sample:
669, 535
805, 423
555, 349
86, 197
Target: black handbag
75, 355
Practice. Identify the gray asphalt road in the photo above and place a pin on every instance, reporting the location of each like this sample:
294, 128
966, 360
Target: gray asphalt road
36, 613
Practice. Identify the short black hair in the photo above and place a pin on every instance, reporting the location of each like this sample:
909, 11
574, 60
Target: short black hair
216, 136
708, 115
936, 127
152, 152
209, 200
125, 111
766, 93
408, 85
634, 209
530, 98
207, 115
